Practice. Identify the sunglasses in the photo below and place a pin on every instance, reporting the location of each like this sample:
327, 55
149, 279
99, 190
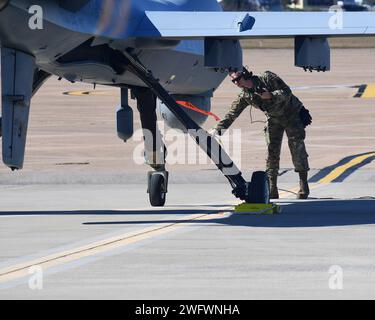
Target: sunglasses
237, 79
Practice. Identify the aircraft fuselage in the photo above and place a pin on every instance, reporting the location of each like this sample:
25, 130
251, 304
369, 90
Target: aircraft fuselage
65, 49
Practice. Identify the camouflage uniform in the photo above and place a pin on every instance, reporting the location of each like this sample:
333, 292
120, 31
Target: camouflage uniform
282, 113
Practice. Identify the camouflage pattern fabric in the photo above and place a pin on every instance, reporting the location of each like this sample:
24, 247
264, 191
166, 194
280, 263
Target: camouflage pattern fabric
282, 112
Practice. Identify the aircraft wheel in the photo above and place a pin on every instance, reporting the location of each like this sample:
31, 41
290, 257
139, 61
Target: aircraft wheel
156, 190
259, 188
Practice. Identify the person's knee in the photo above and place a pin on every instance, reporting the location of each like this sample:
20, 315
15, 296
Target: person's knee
296, 135
297, 145
274, 150
301, 163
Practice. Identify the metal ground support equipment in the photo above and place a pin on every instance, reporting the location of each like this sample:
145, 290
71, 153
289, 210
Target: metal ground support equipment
241, 188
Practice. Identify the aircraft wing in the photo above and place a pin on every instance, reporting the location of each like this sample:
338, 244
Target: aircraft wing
242, 25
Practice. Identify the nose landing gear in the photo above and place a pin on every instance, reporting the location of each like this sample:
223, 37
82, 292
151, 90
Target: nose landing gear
157, 187
256, 191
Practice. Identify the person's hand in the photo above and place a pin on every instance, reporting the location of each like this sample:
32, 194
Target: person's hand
266, 95
213, 132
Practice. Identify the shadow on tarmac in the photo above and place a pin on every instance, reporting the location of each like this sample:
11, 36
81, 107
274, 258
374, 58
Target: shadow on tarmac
106, 212
318, 213
315, 213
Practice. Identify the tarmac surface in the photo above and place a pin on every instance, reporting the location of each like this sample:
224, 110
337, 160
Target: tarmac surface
76, 222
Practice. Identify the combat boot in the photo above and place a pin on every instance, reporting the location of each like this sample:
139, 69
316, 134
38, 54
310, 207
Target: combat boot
304, 190
274, 193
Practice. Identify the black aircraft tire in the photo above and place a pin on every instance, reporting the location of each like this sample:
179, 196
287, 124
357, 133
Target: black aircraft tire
260, 191
156, 194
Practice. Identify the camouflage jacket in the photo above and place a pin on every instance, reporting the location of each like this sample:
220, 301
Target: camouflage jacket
282, 108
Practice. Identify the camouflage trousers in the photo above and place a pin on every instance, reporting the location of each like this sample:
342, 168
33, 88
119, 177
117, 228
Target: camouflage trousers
296, 134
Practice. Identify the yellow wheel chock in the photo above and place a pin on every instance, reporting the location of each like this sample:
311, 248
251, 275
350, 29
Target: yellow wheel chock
258, 208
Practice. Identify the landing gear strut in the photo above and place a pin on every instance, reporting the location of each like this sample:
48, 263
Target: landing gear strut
241, 189
154, 146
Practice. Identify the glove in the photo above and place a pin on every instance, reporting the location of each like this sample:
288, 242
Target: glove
305, 117
215, 134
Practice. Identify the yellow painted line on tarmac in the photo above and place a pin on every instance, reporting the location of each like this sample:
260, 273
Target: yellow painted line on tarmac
95, 248
335, 173
369, 91
22, 270
366, 91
